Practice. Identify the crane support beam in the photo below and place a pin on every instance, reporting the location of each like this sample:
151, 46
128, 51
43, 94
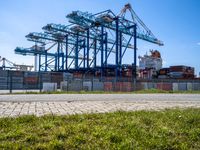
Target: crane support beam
32, 52
58, 28
89, 20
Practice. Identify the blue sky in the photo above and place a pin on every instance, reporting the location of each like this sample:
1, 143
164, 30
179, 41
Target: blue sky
176, 22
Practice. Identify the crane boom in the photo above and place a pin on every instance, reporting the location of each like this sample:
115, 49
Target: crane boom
145, 32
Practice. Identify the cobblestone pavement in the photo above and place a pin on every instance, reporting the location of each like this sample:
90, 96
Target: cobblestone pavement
66, 104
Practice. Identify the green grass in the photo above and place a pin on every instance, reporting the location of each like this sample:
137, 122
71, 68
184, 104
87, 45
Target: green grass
168, 129
149, 91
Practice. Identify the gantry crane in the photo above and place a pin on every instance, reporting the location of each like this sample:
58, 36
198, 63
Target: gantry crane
122, 27
143, 32
7, 64
89, 40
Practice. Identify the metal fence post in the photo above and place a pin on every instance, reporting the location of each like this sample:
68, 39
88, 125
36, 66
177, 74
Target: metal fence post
23, 82
83, 77
40, 82
10, 73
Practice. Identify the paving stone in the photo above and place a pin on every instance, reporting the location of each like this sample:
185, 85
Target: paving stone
80, 106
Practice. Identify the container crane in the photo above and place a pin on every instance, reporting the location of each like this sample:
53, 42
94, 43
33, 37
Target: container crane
122, 27
7, 64
143, 32
104, 37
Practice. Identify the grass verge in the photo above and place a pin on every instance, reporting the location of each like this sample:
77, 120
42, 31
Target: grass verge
149, 91
168, 129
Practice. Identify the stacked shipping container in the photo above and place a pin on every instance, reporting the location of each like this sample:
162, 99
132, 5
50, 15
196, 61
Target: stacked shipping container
176, 72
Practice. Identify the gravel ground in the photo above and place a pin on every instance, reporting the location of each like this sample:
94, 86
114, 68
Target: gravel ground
61, 104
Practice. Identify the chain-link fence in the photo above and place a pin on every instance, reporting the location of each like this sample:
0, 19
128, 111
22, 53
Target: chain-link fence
51, 81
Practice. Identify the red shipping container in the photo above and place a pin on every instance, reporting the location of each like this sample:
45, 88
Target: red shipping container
31, 80
77, 75
108, 79
57, 74
118, 86
164, 86
17, 73
139, 86
123, 86
108, 86
127, 87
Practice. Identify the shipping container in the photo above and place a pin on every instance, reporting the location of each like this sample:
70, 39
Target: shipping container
175, 86
184, 72
117, 86
98, 86
31, 86
196, 86
17, 73
57, 77
3, 80
16, 86
163, 77
31, 74
164, 86
164, 71
151, 85
126, 86
139, 86
75, 85
108, 86
145, 85
17, 79
67, 75
77, 75
182, 86
64, 86
4, 87
189, 86
31, 80
3, 73
49, 87
87, 86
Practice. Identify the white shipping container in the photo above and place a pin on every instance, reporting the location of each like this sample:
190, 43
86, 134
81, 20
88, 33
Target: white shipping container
189, 86
49, 87
175, 86
87, 85
64, 86
145, 85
